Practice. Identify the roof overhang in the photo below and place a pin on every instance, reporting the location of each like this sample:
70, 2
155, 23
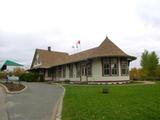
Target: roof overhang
129, 58
38, 68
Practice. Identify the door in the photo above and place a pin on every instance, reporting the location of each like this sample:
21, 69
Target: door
54, 75
84, 73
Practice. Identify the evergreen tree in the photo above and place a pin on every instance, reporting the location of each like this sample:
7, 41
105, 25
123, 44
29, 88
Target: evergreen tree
153, 63
149, 64
145, 60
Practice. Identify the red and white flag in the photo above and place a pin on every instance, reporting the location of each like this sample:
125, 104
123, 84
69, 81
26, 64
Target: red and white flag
78, 42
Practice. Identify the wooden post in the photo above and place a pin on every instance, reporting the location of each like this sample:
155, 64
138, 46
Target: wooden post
86, 67
80, 72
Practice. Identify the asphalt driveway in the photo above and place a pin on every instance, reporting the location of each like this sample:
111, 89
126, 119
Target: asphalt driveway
3, 110
36, 103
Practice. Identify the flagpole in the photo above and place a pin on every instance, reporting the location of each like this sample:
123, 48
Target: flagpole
80, 47
77, 47
73, 48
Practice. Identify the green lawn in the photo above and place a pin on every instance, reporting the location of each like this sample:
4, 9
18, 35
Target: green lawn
127, 102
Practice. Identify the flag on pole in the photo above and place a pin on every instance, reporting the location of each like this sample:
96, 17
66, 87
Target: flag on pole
78, 42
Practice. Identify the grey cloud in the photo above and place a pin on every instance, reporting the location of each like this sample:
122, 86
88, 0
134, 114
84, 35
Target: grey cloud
18, 47
21, 46
149, 12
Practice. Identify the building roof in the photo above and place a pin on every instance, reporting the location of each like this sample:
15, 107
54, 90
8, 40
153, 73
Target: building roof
49, 58
11, 63
106, 49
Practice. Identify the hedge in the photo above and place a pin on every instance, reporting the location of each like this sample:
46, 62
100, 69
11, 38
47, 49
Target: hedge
31, 77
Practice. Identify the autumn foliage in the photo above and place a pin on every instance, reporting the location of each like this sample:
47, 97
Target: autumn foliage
150, 69
18, 71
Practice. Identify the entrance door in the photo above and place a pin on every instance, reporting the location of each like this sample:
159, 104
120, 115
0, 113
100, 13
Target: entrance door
54, 75
84, 73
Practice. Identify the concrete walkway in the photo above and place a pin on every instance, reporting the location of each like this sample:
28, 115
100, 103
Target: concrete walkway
36, 103
148, 82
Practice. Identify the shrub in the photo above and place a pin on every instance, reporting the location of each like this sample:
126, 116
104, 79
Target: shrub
41, 78
135, 74
67, 81
158, 73
84, 82
143, 74
105, 90
29, 77
2, 75
18, 71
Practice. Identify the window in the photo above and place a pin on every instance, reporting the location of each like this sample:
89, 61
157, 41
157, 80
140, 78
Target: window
106, 67
86, 68
49, 73
84, 72
71, 70
78, 70
109, 66
64, 71
114, 66
124, 67
89, 69
59, 72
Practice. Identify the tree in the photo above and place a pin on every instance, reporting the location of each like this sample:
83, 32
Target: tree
158, 72
153, 63
18, 71
149, 64
144, 60
2, 75
135, 74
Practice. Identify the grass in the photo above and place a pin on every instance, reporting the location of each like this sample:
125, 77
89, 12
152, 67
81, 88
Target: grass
136, 102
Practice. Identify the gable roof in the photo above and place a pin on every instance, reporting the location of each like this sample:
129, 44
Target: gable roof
49, 58
106, 49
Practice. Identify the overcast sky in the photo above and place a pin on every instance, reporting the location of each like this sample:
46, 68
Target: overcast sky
133, 25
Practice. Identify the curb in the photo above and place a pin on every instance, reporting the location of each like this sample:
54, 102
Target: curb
57, 111
15, 92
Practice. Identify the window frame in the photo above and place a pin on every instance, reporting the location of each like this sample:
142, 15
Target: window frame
78, 70
89, 68
107, 71
106, 61
59, 71
64, 71
49, 73
70, 70
126, 68
115, 68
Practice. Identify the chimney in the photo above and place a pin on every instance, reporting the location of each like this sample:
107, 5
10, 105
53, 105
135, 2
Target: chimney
49, 48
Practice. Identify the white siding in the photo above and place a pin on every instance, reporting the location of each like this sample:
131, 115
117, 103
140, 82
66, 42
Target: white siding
46, 76
11, 68
96, 73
